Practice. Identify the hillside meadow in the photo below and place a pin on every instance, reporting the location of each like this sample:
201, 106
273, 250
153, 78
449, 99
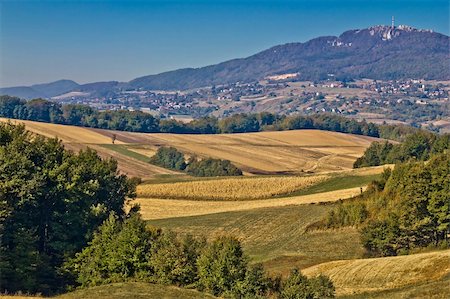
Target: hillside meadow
277, 236
378, 274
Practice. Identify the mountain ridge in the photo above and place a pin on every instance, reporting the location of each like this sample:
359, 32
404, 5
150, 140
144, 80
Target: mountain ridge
378, 52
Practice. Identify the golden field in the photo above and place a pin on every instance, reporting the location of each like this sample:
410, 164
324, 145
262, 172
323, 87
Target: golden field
155, 208
265, 152
375, 274
230, 188
287, 152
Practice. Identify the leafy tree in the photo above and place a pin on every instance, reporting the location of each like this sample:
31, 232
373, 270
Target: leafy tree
174, 260
418, 146
204, 125
239, 123
256, 284
8, 106
221, 266
298, 286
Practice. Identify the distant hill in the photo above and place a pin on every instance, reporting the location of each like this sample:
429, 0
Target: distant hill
379, 52
46, 90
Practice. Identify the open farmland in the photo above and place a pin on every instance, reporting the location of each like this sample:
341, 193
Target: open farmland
156, 208
376, 274
280, 152
77, 138
284, 152
230, 188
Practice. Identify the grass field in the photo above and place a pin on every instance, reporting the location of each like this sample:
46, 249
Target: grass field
377, 274
293, 179
276, 236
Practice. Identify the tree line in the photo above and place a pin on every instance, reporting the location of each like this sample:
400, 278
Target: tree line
419, 146
51, 202
171, 158
137, 121
63, 226
126, 250
407, 209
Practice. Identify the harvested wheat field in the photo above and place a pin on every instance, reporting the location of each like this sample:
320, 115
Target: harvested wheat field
246, 188
68, 134
375, 274
281, 152
263, 152
155, 208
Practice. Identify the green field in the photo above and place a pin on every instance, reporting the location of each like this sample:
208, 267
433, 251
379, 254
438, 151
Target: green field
338, 182
275, 236
123, 150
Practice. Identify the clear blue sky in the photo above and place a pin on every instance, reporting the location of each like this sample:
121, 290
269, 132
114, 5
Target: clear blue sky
86, 41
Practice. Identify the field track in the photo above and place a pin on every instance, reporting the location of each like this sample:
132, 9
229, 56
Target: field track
376, 274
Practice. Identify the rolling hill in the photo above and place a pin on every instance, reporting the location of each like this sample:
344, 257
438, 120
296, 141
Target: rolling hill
375, 274
281, 152
46, 90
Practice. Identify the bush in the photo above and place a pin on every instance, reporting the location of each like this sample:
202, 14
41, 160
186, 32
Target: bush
221, 266
408, 208
298, 286
174, 260
212, 167
169, 157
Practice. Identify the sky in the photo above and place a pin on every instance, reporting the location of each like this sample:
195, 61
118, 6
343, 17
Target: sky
90, 41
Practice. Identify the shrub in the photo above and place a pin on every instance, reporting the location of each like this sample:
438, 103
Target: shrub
221, 266
174, 260
212, 167
298, 286
169, 157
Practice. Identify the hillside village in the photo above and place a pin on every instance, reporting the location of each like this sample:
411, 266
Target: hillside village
396, 101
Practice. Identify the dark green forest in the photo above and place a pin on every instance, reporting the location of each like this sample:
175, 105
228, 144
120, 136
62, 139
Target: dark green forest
418, 146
